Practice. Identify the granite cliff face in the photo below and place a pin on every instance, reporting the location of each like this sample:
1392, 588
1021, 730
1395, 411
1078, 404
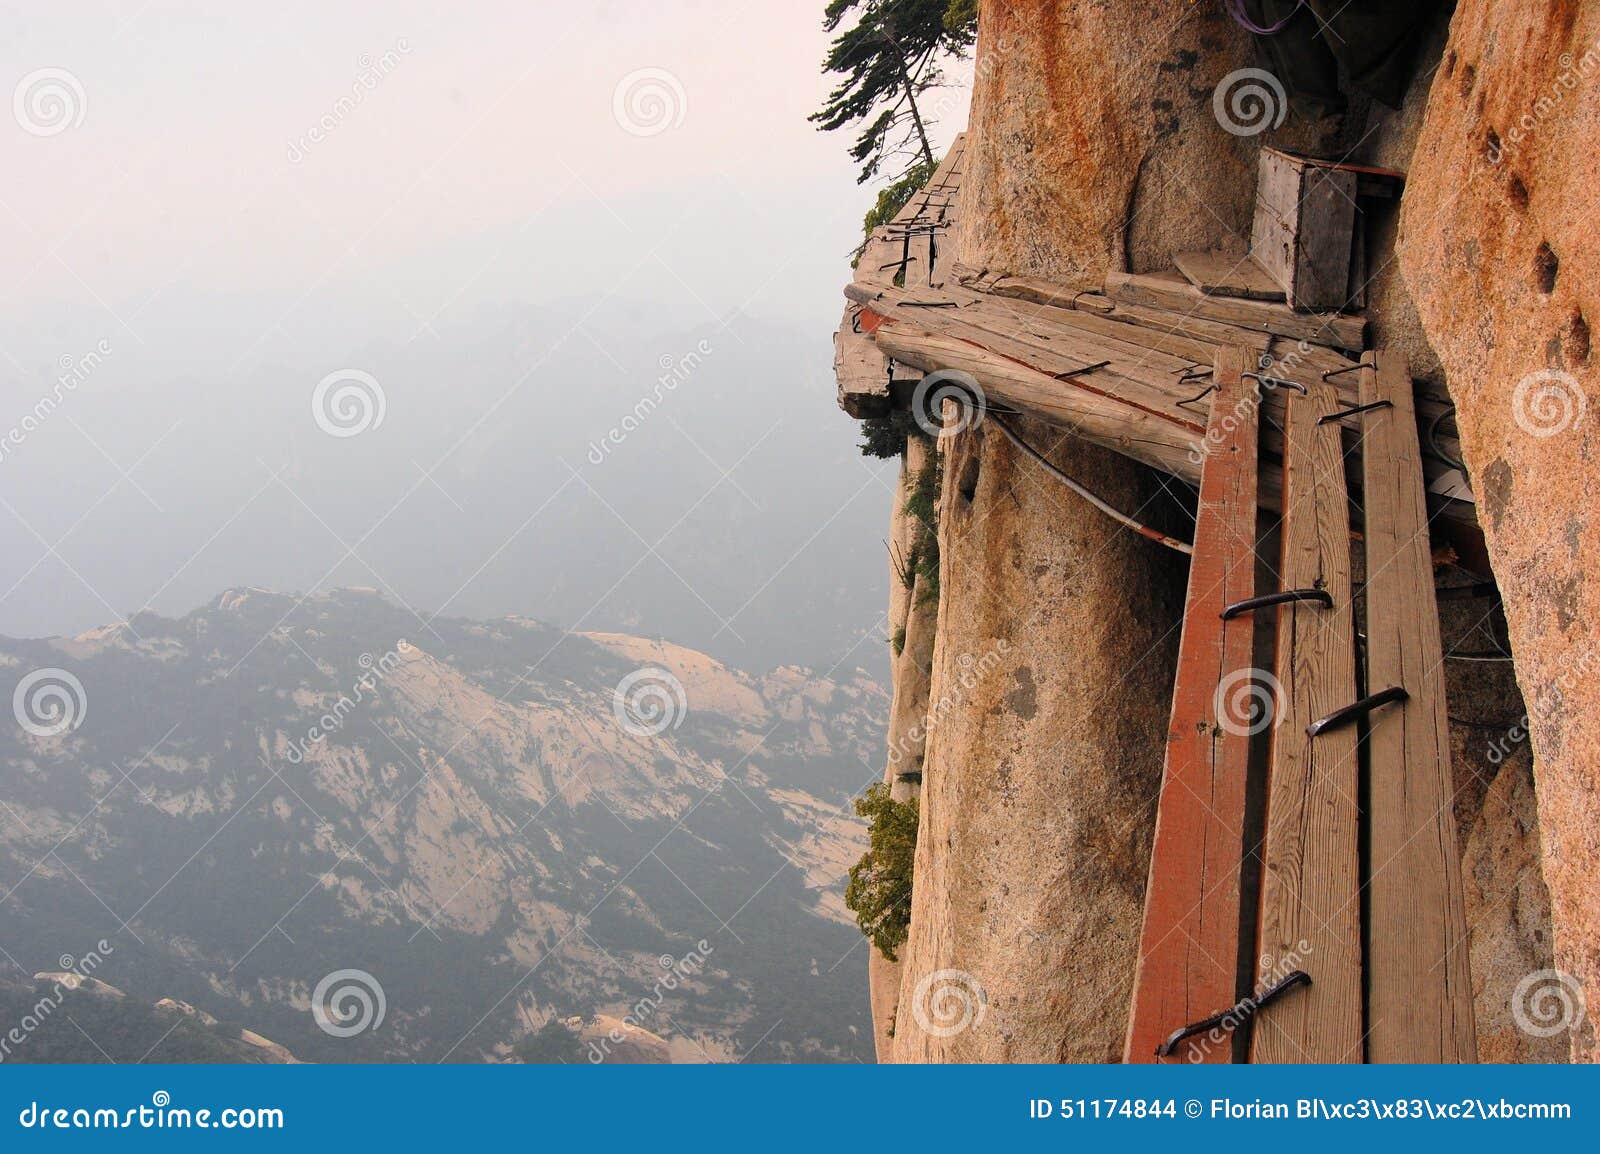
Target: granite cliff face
1498, 248
1094, 144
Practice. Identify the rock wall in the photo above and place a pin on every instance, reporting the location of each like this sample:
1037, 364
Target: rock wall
912, 613
1044, 756
1498, 249
1093, 143
1051, 681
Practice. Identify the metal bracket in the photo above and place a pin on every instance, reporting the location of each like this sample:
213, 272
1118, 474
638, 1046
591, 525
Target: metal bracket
1352, 411
1267, 382
1343, 717
1080, 372
1249, 605
1201, 395
1331, 373
1236, 1015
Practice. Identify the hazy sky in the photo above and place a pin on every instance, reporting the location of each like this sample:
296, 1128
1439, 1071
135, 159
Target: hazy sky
215, 206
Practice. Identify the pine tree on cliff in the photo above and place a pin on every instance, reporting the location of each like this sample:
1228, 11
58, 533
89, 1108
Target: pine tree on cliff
888, 58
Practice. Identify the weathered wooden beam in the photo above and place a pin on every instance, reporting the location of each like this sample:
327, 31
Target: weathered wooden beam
1221, 274
1188, 966
1138, 433
1156, 290
1310, 880
1419, 987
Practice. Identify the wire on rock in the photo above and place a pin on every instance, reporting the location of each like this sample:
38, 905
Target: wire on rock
1116, 515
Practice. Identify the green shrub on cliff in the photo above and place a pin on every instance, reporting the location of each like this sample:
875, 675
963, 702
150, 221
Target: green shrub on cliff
923, 505
885, 436
879, 892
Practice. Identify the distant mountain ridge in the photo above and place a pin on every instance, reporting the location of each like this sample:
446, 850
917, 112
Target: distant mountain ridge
494, 824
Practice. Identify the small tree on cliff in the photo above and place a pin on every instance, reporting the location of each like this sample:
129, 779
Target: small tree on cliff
879, 891
888, 58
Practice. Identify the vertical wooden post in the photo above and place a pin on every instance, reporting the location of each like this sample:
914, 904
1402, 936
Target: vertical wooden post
1310, 895
1420, 990
1189, 948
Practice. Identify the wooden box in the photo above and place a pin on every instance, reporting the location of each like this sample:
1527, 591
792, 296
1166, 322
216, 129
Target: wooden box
1304, 228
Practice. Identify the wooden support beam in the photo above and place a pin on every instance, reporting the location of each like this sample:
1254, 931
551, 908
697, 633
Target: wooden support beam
1420, 990
1138, 433
1172, 292
1188, 965
1310, 883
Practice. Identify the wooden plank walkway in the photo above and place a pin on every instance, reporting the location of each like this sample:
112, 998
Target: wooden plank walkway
1310, 887
1189, 950
1420, 990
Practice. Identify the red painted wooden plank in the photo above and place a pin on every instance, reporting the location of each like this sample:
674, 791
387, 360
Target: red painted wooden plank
1189, 948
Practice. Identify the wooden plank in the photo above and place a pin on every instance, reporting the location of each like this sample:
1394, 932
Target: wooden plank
1164, 320
1324, 240
1178, 295
862, 372
1145, 436
1189, 946
1419, 987
1310, 882
1277, 209
1221, 274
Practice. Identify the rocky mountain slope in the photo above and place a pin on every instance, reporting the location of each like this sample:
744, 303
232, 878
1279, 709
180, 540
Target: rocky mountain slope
328, 812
